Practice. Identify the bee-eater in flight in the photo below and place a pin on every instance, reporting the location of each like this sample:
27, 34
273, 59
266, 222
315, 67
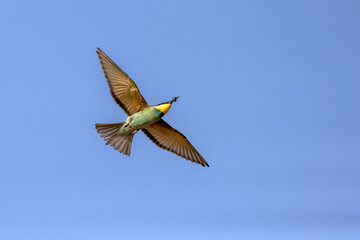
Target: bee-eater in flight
141, 116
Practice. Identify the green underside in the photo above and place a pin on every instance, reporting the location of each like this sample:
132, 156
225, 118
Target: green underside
140, 120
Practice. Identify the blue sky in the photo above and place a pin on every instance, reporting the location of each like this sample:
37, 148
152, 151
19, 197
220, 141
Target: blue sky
269, 95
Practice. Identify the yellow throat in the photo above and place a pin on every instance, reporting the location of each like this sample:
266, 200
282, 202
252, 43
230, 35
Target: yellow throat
164, 108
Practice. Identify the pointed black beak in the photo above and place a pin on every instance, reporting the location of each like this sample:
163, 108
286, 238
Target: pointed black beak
174, 99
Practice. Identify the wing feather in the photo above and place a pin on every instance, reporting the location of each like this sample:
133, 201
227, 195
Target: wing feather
168, 138
122, 88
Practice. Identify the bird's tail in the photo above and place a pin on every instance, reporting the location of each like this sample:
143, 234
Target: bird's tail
109, 132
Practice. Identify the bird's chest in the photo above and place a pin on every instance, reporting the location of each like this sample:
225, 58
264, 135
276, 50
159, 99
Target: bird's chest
144, 118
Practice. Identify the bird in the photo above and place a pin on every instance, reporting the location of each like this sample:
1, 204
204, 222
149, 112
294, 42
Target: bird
141, 116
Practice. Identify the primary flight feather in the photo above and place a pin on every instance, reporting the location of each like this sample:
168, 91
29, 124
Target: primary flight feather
141, 116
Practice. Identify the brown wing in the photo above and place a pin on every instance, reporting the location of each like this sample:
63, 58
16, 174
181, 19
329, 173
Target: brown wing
122, 88
168, 138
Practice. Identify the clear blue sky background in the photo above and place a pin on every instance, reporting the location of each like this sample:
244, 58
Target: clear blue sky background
270, 95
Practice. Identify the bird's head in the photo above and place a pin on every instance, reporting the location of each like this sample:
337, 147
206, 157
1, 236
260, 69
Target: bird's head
165, 106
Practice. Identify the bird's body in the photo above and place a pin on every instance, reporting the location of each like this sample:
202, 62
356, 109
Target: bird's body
141, 116
144, 118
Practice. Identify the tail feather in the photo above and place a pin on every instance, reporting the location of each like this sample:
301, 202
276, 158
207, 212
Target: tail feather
109, 132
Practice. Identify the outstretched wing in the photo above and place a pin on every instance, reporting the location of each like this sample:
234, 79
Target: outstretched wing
168, 138
122, 88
